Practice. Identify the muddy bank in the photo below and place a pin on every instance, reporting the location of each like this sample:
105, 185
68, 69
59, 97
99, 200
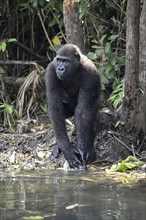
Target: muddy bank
30, 146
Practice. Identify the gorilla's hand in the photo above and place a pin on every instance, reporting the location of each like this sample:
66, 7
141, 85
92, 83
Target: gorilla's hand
74, 158
88, 155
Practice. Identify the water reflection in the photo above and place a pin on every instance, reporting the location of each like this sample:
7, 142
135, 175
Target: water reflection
69, 196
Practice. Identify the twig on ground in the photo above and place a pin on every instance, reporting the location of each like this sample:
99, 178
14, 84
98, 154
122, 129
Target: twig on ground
121, 142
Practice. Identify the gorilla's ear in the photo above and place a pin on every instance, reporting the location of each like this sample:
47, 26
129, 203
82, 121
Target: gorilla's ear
77, 56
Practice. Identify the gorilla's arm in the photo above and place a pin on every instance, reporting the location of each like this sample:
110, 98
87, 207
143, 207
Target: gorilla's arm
57, 118
85, 115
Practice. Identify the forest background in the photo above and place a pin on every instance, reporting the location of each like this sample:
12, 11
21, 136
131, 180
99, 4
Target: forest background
112, 33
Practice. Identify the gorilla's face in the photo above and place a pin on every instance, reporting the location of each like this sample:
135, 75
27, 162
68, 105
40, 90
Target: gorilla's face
66, 65
63, 66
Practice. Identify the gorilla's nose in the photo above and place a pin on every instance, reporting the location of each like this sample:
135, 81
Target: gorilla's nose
60, 72
61, 69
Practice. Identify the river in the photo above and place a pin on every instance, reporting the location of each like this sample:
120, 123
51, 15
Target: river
69, 195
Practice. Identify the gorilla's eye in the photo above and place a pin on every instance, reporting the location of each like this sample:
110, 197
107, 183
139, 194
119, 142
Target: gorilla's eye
66, 62
77, 56
58, 60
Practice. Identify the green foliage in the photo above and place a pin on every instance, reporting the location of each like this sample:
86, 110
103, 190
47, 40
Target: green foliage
31, 5
116, 98
104, 29
3, 44
119, 124
49, 14
39, 26
12, 40
110, 61
34, 5
84, 9
3, 47
44, 108
2, 71
33, 217
8, 112
127, 164
7, 108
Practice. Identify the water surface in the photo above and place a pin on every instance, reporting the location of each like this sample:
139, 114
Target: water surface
60, 195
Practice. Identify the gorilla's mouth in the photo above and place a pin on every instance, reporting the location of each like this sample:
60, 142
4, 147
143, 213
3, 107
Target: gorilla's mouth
60, 75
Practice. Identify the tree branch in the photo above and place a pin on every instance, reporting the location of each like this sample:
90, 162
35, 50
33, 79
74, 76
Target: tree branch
16, 62
9, 80
24, 47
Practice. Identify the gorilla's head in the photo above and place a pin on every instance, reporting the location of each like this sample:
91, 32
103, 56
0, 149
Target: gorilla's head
67, 61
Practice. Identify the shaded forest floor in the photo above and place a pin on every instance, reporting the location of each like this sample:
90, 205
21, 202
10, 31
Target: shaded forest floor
30, 146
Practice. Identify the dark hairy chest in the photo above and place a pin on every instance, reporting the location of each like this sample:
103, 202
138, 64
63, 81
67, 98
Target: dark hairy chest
69, 92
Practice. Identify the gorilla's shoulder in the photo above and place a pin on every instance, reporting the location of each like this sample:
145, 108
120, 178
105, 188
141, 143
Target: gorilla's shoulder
87, 63
50, 67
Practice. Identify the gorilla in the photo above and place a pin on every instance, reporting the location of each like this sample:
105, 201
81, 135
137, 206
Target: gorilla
73, 88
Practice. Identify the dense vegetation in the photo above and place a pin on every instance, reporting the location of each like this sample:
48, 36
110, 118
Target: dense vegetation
32, 31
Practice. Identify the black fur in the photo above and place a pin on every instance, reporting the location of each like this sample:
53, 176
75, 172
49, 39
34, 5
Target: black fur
73, 88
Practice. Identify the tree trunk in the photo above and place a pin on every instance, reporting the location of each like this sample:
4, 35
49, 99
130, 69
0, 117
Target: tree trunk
131, 99
142, 68
72, 25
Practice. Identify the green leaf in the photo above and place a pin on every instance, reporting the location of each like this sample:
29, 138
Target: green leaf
3, 46
129, 163
34, 3
52, 22
116, 102
104, 79
108, 68
30, 9
102, 87
44, 108
41, 3
2, 106
102, 38
84, 9
112, 98
107, 48
12, 40
116, 98
113, 37
1, 70
9, 109
99, 52
119, 123
31, 217
23, 6
112, 60
92, 56
121, 60
56, 40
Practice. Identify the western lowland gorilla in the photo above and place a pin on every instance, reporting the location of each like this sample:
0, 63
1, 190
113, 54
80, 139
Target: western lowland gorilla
73, 88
